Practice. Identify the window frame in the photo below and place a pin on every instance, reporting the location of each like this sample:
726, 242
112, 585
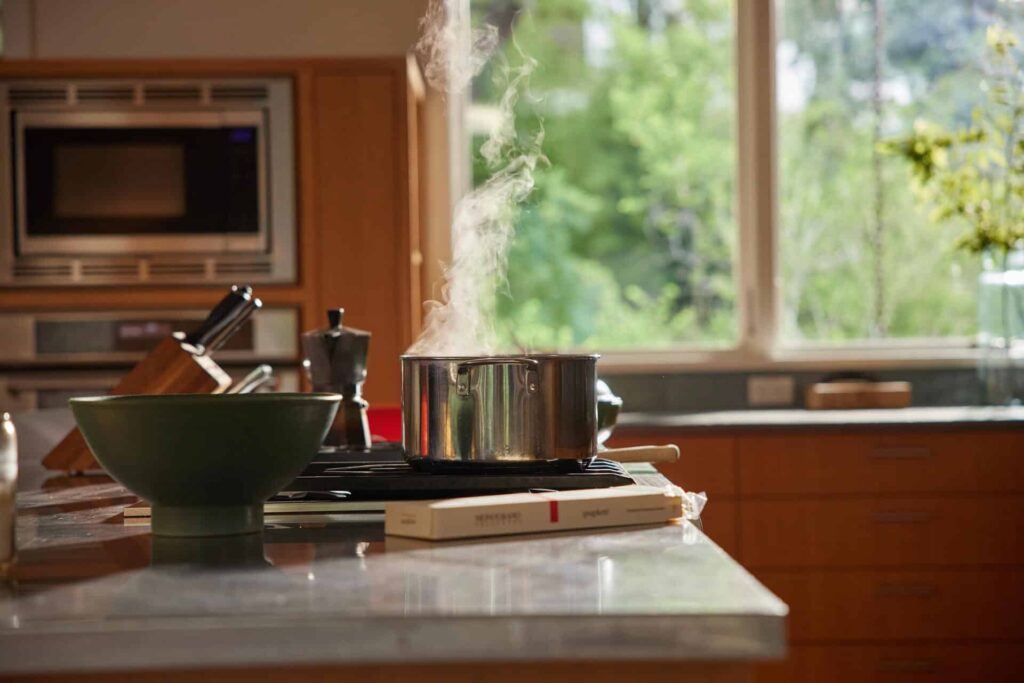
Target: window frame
758, 346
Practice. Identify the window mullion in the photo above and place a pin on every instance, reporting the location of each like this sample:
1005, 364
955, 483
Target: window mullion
756, 177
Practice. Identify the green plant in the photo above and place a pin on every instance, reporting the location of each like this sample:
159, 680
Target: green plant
976, 174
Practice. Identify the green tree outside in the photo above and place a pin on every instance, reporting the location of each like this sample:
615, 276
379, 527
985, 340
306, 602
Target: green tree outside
629, 239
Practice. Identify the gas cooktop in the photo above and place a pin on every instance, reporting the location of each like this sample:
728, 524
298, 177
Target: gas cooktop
382, 473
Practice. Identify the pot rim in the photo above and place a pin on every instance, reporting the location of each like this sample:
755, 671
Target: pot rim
505, 356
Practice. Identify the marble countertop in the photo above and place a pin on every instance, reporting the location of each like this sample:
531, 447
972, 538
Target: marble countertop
740, 420
94, 594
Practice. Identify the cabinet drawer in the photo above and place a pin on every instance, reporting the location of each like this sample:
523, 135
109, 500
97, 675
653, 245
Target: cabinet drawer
949, 663
705, 463
952, 531
901, 605
882, 462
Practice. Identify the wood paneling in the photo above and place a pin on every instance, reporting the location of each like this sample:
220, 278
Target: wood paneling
950, 663
163, 68
872, 605
357, 215
881, 462
881, 532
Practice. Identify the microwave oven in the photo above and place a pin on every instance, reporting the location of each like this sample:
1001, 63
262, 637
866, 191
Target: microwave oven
151, 182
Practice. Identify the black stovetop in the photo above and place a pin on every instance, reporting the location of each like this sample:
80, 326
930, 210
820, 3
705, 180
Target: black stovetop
382, 473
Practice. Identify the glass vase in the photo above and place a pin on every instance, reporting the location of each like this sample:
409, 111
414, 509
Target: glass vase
1001, 327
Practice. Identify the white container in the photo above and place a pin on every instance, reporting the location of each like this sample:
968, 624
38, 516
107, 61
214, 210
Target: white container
522, 513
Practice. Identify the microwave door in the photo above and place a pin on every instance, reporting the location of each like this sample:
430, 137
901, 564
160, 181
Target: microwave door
138, 182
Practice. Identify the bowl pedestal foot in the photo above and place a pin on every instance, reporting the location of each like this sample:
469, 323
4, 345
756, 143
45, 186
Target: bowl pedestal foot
221, 520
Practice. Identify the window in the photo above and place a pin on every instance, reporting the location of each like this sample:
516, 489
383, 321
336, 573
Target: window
860, 258
632, 238
629, 237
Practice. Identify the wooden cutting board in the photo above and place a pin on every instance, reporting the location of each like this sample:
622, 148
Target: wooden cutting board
857, 394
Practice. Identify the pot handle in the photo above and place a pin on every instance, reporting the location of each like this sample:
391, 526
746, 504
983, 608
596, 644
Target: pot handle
462, 369
667, 453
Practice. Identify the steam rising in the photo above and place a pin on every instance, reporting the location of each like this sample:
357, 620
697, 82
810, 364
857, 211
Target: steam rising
452, 51
482, 225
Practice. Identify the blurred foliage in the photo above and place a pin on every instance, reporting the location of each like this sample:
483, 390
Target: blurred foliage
976, 174
626, 242
629, 239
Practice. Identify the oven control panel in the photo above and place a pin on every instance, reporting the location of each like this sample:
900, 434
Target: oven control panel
80, 338
27, 390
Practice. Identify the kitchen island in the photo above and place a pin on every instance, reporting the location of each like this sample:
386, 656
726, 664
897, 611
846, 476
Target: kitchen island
330, 595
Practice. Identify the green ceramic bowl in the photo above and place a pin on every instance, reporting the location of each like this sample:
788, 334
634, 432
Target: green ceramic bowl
205, 463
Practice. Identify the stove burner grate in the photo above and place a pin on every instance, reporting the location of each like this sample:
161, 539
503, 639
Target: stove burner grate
398, 480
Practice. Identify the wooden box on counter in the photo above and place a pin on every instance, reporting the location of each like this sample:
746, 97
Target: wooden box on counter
898, 549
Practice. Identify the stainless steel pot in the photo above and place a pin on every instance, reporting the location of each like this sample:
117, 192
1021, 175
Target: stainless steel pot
499, 408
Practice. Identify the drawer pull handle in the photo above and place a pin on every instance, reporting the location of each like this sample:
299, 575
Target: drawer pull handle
907, 665
901, 517
906, 590
900, 453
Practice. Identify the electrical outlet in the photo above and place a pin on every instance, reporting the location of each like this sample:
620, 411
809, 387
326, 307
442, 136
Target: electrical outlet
770, 390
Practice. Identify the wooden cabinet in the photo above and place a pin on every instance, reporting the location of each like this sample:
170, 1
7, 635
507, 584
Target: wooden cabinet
881, 462
899, 553
706, 463
995, 662
881, 532
357, 142
366, 255
872, 604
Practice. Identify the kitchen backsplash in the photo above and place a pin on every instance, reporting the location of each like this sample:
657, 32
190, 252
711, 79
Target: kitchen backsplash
710, 391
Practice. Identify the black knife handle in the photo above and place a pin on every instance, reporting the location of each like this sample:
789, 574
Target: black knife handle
222, 317
217, 341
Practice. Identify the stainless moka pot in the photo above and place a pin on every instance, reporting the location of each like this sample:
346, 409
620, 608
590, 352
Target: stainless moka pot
335, 361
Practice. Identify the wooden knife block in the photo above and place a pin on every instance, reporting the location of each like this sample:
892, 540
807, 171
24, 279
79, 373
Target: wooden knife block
168, 369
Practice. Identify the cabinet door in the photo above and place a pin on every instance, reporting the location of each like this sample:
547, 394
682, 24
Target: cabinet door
874, 605
363, 220
882, 532
972, 461
950, 663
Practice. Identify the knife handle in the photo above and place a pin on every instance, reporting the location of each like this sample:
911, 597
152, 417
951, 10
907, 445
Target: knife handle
222, 320
226, 333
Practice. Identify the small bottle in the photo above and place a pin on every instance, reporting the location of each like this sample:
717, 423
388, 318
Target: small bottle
8, 487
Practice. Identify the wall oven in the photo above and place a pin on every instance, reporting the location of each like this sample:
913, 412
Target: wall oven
48, 357
27, 390
151, 181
